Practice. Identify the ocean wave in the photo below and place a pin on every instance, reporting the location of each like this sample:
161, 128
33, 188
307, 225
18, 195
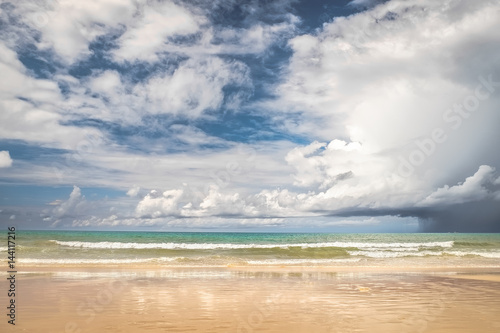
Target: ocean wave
229, 246
82, 261
157, 260
389, 254
474, 253
397, 249
473, 244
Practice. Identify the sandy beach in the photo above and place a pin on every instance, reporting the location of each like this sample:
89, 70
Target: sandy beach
78, 282
255, 299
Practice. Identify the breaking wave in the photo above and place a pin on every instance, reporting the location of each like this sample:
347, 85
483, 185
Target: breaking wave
229, 246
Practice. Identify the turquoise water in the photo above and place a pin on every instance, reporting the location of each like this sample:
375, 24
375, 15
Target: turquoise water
220, 249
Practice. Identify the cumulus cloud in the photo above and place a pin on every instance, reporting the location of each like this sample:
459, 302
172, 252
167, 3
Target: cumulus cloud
185, 203
388, 197
5, 160
373, 71
385, 81
74, 206
474, 188
157, 204
71, 206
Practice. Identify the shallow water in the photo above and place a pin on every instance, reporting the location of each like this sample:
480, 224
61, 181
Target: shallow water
221, 249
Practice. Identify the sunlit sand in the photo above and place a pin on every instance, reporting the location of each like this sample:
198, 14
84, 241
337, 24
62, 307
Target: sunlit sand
256, 299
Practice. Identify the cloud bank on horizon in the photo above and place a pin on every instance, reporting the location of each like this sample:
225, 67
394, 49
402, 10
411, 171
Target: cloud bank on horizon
249, 114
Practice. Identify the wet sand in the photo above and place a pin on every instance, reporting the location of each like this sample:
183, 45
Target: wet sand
259, 299
484, 277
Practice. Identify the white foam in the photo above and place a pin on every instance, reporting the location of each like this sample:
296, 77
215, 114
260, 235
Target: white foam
213, 246
86, 261
79, 261
397, 249
397, 254
474, 253
388, 254
300, 261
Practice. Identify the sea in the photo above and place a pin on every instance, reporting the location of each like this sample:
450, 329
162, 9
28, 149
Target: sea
219, 249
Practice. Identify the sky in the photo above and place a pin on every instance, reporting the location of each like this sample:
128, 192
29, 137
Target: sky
228, 115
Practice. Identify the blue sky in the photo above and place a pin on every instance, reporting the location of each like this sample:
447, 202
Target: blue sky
250, 115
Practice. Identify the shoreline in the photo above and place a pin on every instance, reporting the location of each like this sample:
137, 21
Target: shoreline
432, 269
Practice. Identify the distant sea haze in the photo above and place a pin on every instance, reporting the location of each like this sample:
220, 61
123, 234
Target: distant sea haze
256, 249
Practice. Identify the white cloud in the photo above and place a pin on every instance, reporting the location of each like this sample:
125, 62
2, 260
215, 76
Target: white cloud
185, 203
253, 40
38, 115
69, 27
383, 81
242, 168
375, 75
94, 221
323, 165
72, 206
473, 189
5, 160
22, 120
157, 204
106, 83
17, 82
147, 34
134, 191
219, 204
195, 87
345, 193
341, 174
153, 33
148, 29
